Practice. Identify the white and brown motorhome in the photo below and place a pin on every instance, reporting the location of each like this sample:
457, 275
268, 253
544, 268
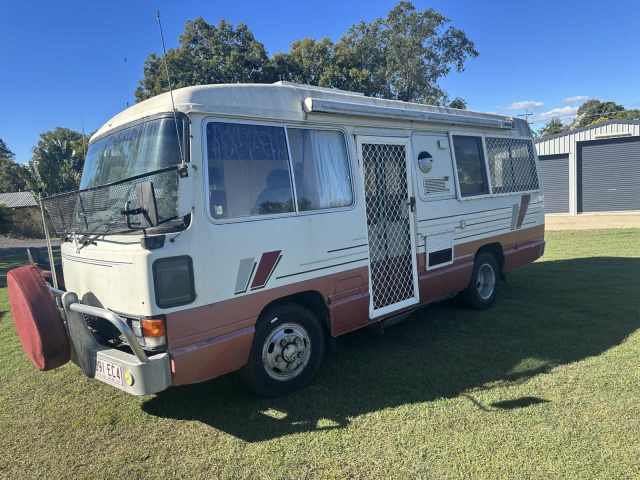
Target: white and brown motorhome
251, 224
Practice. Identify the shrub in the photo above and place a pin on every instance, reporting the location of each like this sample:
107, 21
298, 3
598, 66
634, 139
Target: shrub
22, 222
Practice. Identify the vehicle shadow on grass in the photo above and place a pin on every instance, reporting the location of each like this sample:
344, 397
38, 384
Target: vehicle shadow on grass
548, 314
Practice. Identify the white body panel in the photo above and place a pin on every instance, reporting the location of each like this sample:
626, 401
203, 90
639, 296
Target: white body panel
117, 272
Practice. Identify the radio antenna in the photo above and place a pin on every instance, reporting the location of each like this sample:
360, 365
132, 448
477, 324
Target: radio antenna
183, 165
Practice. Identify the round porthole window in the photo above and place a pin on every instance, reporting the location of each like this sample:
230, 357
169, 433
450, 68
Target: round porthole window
425, 162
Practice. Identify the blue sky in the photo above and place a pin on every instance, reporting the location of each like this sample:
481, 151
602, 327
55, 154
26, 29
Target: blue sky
77, 63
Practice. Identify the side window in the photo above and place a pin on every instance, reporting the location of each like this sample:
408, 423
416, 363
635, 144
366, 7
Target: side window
320, 169
248, 170
472, 174
512, 165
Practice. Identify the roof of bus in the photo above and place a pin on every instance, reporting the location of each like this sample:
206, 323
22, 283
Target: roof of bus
280, 100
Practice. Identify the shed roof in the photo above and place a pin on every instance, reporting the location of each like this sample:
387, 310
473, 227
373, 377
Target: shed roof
18, 199
567, 143
544, 138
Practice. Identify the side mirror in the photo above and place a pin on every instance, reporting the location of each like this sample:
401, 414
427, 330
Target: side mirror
145, 206
146, 199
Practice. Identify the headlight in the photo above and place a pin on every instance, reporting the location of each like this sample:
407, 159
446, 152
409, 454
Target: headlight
173, 281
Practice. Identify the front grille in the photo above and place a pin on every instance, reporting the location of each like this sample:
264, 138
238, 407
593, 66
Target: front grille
104, 332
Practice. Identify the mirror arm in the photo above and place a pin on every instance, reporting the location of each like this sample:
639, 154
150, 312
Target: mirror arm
127, 212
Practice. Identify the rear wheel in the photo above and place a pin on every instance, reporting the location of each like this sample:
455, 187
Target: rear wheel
481, 292
287, 351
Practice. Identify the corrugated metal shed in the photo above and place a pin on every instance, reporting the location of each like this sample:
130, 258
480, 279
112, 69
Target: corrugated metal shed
570, 145
566, 142
18, 199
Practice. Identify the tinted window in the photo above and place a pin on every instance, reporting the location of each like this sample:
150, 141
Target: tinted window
472, 174
320, 169
248, 170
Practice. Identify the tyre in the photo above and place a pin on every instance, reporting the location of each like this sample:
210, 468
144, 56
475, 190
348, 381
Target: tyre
288, 348
39, 326
482, 289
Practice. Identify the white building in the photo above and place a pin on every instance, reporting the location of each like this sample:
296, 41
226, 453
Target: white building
593, 169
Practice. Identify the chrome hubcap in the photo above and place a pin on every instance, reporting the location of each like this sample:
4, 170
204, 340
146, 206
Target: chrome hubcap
286, 351
485, 281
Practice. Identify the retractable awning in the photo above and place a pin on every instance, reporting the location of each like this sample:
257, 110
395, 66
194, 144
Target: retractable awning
318, 105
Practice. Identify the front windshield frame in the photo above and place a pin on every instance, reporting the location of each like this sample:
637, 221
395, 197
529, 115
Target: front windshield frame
182, 119
69, 211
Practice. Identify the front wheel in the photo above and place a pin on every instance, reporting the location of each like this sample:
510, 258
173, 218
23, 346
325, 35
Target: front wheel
287, 351
481, 292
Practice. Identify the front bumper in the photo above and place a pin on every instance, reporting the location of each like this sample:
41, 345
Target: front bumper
139, 374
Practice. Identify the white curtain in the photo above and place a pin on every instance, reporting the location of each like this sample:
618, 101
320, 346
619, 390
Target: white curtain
332, 170
321, 169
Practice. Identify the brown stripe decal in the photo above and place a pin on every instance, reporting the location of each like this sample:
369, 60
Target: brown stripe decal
524, 205
266, 266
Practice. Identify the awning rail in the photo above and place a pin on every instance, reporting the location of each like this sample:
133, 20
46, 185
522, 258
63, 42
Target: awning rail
319, 105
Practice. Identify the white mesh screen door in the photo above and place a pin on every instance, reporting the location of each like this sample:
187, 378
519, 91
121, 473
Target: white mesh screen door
390, 227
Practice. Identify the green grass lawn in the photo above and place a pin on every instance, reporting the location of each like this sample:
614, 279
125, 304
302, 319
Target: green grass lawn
544, 385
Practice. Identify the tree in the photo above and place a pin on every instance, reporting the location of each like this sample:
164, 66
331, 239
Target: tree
57, 160
595, 111
309, 61
459, 103
404, 55
5, 219
401, 56
5, 153
207, 54
553, 127
13, 176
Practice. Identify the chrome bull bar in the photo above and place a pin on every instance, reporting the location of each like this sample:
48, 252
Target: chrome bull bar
151, 374
117, 322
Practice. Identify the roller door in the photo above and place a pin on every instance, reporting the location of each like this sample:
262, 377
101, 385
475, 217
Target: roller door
609, 175
554, 170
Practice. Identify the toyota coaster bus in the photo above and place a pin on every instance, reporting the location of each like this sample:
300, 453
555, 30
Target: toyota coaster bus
247, 226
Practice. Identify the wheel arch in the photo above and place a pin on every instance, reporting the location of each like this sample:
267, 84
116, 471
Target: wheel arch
494, 249
310, 299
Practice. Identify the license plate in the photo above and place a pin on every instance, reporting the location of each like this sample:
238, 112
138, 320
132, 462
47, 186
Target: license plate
108, 371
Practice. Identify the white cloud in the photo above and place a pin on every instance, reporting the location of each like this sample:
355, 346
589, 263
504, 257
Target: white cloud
574, 100
525, 105
561, 113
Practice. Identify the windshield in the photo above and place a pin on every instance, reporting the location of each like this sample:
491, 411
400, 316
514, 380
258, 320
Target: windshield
115, 164
143, 148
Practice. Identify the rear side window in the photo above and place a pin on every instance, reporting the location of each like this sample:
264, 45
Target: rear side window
512, 165
248, 170
320, 168
472, 174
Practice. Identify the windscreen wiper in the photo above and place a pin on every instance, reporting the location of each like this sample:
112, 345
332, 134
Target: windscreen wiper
89, 238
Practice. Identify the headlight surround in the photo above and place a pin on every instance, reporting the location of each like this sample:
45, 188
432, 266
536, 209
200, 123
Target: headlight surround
173, 281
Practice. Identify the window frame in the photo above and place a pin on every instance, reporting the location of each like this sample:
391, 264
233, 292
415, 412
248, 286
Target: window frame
484, 161
285, 125
345, 137
491, 193
535, 161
